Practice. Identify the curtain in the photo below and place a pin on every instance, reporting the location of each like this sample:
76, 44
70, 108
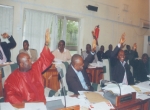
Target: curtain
35, 25
64, 29
6, 20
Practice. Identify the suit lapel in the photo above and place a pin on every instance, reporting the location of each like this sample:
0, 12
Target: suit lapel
75, 76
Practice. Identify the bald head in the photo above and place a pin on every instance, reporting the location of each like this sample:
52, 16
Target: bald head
77, 62
24, 62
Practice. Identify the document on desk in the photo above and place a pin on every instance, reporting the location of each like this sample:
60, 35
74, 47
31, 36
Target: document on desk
6, 106
142, 96
95, 97
100, 106
34, 106
144, 86
70, 101
125, 89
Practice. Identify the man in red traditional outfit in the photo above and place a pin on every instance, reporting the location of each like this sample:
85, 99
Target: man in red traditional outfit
25, 84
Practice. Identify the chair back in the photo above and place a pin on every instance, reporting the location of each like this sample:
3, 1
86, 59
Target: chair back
7, 70
62, 69
107, 73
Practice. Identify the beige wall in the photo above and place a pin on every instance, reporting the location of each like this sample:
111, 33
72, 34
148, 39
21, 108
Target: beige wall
112, 16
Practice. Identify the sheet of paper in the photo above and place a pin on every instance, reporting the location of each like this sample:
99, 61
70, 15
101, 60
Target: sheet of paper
34, 106
137, 89
125, 89
144, 85
142, 96
6, 106
70, 101
101, 106
95, 97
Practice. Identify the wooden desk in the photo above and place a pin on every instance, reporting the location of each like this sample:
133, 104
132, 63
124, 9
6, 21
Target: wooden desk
22, 105
135, 105
95, 74
51, 78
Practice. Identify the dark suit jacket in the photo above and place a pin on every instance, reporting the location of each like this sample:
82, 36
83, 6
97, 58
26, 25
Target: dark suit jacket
7, 46
140, 69
117, 70
72, 79
100, 55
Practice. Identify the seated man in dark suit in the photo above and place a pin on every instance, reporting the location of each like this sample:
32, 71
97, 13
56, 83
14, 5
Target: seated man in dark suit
76, 76
101, 54
130, 54
120, 69
108, 52
5, 54
140, 67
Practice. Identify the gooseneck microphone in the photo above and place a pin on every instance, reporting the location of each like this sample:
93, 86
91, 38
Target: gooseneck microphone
103, 82
62, 84
117, 85
108, 94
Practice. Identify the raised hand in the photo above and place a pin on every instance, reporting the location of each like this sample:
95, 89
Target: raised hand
134, 47
5, 35
122, 39
47, 37
93, 34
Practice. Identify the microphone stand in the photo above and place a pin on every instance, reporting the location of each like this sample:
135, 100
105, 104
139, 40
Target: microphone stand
62, 84
63, 88
117, 85
109, 95
102, 82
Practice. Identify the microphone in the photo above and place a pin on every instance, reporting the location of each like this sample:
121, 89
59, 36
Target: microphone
62, 84
103, 83
108, 94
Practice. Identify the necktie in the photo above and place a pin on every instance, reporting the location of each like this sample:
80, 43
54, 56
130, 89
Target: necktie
1, 55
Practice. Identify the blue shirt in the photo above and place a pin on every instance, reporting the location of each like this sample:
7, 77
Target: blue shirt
81, 78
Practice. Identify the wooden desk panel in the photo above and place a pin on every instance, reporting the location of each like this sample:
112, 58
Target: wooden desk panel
134, 105
77, 107
51, 77
96, 74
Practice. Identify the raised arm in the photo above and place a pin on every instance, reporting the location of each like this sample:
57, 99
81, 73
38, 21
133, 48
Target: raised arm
119, 46
12, 42
46, 57
90, 57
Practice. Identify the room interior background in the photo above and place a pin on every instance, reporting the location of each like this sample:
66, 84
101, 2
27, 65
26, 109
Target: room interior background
114, 17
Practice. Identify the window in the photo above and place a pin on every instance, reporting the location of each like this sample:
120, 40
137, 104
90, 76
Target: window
6, 19
68, 31
62, 28
35, 25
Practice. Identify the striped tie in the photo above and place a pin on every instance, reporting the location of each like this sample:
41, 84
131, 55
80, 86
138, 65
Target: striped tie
1, 55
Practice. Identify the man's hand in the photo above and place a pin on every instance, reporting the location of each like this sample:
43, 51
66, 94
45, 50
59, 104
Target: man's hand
5, 35
134, 47
93, 34
47, 37
94, 45
122, 40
